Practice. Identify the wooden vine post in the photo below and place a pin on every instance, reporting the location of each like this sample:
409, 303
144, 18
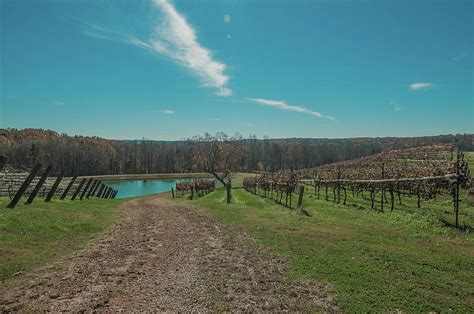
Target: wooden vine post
229, 190
95, 189
392, 199
101, 189
104, 191
24, 186
107, 192
94, 184
53, 189
300, 196
78, 189
383, 189
69, 186
456, 192
86, 188
38, 186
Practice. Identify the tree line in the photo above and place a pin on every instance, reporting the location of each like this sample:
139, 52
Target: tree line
84, 155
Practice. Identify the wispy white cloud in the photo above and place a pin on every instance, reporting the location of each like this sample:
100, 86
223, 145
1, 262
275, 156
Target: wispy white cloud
175, 38
97, 35
247, 124
422, 86
280, 104
100, 32
396, 107
167, 111
51, 103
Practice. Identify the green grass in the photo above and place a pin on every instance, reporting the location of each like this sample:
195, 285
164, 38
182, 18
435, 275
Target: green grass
407, 260
34, 235
469, 157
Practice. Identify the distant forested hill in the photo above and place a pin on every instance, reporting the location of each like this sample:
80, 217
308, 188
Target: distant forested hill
83, 155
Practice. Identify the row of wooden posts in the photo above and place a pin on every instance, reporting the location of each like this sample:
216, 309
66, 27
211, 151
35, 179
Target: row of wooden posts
199, 192
93, 188
279, 196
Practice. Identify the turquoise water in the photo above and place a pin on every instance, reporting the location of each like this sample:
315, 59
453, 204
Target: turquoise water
142, 187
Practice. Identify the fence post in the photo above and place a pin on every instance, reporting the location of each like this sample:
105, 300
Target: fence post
383, 188
345, 196
53, 189
104, 193
172, 192
392, 199
78, 189
38, 186
101, 189
456, 193
94, 183
3, 162
24, 186
300, 197
95, 188
109, 189
69, 186
229, 191
85, 189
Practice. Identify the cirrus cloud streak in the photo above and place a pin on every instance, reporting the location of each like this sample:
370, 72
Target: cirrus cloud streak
422, 86
172, 36
175, 38
282, 105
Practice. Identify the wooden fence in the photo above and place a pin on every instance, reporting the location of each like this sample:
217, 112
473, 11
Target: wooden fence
38, 183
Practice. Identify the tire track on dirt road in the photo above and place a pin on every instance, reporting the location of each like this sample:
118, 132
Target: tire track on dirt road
163, 256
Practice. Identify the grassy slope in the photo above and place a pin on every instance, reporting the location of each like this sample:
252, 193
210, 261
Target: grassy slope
32, 236
469, 156
407, 260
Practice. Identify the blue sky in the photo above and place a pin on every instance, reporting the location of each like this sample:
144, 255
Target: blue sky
171, 69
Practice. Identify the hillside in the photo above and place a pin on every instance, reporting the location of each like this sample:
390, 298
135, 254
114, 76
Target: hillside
84, 155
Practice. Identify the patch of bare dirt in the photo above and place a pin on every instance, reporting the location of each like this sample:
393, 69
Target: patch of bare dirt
161, 256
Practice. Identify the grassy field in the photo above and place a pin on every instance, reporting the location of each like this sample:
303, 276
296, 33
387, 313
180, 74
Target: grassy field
34, 235
407, 260
469, 156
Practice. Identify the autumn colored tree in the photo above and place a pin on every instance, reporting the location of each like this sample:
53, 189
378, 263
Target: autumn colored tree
85, 155
219, 155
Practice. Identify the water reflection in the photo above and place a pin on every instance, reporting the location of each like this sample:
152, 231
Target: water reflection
142, 187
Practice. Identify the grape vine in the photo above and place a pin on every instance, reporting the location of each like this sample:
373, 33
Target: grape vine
424, 172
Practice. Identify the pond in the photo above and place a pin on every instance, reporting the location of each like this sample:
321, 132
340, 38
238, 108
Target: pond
142, 187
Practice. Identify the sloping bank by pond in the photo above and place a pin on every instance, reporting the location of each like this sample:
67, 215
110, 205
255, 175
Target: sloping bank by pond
34, 235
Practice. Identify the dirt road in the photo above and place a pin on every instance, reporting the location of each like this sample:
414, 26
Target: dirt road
165, 257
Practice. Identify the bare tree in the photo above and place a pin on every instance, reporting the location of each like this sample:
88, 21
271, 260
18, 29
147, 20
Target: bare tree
219, 155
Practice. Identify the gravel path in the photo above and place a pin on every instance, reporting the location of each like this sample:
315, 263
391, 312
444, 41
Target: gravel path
161, 256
